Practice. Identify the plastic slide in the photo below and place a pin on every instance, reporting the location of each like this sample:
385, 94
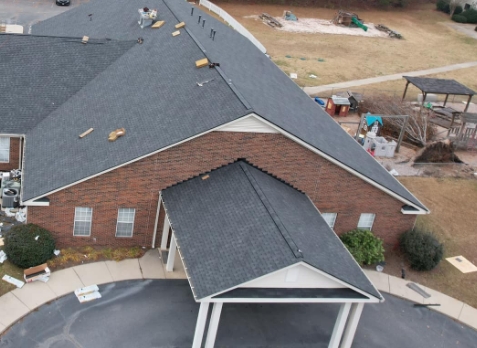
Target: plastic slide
359, 24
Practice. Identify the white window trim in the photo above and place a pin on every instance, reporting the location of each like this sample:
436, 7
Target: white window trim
6, 148
90, 224
128, 222
372, 222
335, 215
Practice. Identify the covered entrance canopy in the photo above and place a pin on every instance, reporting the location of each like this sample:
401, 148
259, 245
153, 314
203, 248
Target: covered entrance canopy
438, 86
245, 236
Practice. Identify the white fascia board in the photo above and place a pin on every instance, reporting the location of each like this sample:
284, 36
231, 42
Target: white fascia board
348, 169
290, 300
37, 204
250, 124
10, 135
369, 297
419, 212
129, 162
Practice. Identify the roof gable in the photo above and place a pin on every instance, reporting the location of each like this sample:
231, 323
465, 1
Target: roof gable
238, 223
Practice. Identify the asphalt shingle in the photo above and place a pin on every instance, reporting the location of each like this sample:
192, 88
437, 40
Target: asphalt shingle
241, 223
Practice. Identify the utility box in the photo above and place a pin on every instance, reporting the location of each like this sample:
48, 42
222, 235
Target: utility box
40, 272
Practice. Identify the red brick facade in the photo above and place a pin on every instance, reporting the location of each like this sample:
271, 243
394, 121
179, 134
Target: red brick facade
137, 185
14, 162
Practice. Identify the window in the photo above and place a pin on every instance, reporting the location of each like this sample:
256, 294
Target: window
366, 221
83, 217
4, 150
125, 225
330, 219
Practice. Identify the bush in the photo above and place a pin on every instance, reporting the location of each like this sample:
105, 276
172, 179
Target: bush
29, 245
443, 6
422, 249
458, 10
365, 247
475, 29
470, 15
459, 19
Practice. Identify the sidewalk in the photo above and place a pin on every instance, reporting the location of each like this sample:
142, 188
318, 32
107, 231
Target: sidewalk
355, 83
19, 302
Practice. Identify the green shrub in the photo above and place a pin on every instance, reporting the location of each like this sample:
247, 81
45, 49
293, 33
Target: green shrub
459, 19
458, 10
365, 247
470, 15
443, 6
29, 245
422, 249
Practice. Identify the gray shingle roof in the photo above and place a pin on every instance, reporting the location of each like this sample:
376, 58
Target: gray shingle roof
151, 84
39, 74
439, 86
241, 223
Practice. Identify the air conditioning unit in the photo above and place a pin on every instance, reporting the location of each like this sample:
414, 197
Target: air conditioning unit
10, 198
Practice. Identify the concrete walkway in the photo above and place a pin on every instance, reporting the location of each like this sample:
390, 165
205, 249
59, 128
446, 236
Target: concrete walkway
19, 302
355, 83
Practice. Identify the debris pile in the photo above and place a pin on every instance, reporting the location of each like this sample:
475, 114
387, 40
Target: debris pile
438, 152
267, 19
391, 33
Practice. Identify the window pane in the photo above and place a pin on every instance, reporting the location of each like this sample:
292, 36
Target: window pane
330, 219
125, 225
83, 218
4, 149
366, 221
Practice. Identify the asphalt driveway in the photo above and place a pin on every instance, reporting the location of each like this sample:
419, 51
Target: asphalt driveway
162, 313
29, 12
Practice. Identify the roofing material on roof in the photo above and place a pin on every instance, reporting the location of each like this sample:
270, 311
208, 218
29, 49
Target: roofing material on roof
157, 81
241, 224
439, 86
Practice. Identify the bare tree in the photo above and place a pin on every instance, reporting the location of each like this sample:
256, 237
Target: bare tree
453, 5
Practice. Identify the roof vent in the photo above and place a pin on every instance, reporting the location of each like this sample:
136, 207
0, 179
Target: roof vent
116, 134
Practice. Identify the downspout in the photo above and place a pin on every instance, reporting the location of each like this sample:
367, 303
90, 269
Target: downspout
157, 220
22, 165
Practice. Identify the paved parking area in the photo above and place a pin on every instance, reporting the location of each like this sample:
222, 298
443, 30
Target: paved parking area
162, 313
29, 12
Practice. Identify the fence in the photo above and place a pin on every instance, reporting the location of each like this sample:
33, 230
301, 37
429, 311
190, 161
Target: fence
233, 23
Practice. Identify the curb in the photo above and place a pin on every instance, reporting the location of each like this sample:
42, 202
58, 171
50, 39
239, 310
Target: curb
18, 303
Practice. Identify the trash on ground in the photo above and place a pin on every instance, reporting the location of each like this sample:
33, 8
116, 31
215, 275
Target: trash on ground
3, 256
56, 252
8, 212
269, 20
88, 293
18, 283
393, 172
293, 75
35, 273
462, 264
20, 216
289, 16
313, 76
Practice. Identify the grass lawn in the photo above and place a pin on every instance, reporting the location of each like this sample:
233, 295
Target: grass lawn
11, 270
453, 220
428, 43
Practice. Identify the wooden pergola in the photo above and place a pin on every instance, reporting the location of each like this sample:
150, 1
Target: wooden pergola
439, 86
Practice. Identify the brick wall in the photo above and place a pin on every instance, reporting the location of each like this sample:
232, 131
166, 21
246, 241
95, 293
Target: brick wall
14, 156
137, 185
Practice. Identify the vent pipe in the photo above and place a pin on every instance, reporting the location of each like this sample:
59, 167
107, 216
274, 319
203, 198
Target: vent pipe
213, 35
211, 32
198, 22
192, 11
203, 23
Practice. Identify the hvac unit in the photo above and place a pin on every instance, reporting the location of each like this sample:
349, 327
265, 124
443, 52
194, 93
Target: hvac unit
10, 198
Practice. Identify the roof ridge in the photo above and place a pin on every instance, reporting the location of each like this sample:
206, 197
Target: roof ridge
268, 206
217, 68
64, 37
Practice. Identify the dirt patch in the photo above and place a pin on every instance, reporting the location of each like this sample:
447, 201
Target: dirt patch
314, 25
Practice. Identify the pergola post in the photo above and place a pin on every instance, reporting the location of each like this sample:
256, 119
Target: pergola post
405, 91
200, 325
401, 134
445, 100
213, 325
354, 315
172, 255
424, 96
468, 103
157, 220
165, 233
339, 325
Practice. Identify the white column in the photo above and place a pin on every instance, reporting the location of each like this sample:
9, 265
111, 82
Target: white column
172, 255
157, 220
200, 325
165, 233
213, 325
339, 325
354, 315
